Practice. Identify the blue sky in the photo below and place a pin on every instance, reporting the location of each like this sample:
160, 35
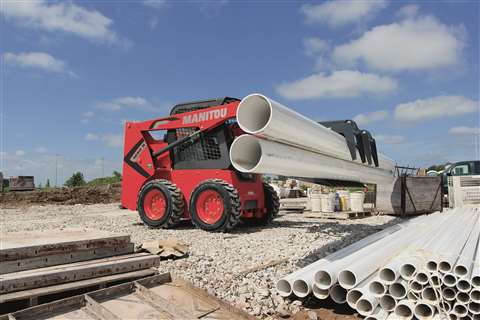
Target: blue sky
72, 72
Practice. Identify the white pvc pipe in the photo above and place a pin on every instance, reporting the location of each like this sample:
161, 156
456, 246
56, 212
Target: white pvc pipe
464, 285
251, 154
262, 116
422, 277
460, 310
399, 289
475, 295
388, 303
463, 297
404, 310
474, 307
415, 287
464, 265
448, 294
377, 288
367, 304
338, 294
435, 279
430, 295
378, 314
408, 269
306, 274
320, 294
359, 267
423, 310
449, 280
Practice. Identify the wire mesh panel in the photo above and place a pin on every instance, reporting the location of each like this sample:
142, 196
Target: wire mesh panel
205, 147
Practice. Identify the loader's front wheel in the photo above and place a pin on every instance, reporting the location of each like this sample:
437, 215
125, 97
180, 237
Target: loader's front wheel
215, 206
160, 204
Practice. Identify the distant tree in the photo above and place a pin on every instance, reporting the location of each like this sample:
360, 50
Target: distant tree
40, 185
47, 185
117, 174
75, 180
438, 167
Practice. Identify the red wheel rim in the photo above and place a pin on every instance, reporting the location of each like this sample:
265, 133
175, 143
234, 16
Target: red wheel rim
209, 206
154, 204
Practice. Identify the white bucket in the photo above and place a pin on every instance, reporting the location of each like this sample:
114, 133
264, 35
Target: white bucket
315, 199
327, 202
356, 201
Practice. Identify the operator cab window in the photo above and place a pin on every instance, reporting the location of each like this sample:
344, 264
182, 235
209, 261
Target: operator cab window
461, 170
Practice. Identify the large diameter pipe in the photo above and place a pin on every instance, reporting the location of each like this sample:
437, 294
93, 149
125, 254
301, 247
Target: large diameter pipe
255, 155
262, 116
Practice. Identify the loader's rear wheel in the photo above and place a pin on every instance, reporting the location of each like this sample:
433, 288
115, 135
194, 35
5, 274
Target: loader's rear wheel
160, 204
272, 203
215, 206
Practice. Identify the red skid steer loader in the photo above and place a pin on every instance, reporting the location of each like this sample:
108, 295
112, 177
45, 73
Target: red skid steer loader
178, 168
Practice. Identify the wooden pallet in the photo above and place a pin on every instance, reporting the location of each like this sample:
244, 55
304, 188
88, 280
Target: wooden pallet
337, 215
156, 297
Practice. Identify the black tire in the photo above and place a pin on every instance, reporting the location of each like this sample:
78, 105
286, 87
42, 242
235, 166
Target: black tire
272, 202
231, 206
174, 204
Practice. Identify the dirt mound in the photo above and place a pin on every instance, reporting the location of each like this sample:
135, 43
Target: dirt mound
77, 195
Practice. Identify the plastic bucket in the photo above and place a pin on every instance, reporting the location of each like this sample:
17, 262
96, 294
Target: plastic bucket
315, 201
344, 200
327, 202
356, 201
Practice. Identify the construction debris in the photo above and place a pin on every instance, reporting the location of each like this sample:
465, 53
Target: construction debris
169, 248
425, 267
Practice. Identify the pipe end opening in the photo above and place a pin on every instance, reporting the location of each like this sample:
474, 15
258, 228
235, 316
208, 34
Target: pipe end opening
347, 279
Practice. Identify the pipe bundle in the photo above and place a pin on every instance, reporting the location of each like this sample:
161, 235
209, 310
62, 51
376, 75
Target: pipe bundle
424, 268
281, 141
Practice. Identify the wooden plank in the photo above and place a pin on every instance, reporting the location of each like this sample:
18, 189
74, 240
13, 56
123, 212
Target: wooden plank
30, 244
64, 258
161, 304
28, 280
44, 291
49, 310
97, 310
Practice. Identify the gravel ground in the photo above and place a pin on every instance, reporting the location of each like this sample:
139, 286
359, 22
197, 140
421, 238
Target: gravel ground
217, 262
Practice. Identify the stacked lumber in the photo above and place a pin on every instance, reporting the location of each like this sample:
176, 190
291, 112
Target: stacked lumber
37, 267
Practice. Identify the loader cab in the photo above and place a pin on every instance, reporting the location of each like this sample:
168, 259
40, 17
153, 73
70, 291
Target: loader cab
211, 149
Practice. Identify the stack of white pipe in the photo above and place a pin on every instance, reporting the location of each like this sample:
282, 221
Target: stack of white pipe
424, 268
281, 141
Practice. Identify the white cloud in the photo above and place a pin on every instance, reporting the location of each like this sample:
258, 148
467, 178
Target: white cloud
366, 118
341, 13
91, 137
155, 4
40, 60
435, 107
88, 114
61, 16
113, 140
408, 11
344, 83
314, 46
109, 139
40, 149
20, 153
126, 103
413, 44
389, 139
464, 131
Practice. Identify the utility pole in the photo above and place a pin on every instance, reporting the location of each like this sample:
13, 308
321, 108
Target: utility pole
56, 170
103, 167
